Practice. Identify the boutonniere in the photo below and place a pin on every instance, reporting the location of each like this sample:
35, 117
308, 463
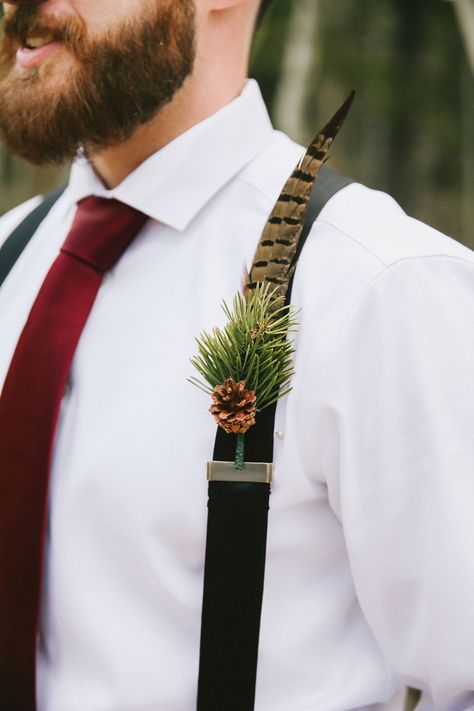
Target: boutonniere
247, 365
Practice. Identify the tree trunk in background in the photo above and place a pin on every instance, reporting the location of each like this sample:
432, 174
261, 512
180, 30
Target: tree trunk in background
297, 71
468, 157
465, 13
408, 138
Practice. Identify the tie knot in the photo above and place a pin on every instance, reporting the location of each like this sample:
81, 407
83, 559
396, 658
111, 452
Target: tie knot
101, 231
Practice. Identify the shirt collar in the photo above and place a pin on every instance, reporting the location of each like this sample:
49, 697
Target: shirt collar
175, 183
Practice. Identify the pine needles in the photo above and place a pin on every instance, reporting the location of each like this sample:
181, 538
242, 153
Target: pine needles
253, 347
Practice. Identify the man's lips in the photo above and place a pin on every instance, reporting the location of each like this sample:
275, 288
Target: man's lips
29, 57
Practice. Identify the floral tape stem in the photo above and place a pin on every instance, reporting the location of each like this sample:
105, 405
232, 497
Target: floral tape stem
240, 452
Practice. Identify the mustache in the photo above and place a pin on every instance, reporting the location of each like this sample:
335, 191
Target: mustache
29, 21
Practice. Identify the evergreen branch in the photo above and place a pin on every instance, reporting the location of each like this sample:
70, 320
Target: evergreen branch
252, 347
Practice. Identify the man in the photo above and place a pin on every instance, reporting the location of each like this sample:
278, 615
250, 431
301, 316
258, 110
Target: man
370, 571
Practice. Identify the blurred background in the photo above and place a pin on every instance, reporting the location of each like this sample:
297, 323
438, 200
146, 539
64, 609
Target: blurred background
411, 131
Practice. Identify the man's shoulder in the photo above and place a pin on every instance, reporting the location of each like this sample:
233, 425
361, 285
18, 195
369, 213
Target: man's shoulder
11, 219
364, 249
375, 223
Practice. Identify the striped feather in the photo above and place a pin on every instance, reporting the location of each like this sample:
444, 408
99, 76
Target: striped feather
274, 258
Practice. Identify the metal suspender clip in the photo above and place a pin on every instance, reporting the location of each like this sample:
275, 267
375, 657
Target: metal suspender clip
255, 472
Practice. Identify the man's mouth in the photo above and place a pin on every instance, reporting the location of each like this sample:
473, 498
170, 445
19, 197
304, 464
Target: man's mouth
35, 50
37, 42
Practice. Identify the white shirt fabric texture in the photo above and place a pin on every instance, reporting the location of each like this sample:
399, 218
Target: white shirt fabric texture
370, 566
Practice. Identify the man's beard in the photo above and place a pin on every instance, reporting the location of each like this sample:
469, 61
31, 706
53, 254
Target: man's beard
119, 81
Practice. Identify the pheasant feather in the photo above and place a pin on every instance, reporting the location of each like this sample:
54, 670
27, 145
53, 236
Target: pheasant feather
274, 260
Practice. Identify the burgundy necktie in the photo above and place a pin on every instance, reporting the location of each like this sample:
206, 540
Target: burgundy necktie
29, 407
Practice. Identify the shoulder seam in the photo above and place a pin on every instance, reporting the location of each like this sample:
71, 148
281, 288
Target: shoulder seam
397, 261
440, 255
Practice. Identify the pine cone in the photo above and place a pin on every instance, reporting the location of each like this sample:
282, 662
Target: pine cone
233, 406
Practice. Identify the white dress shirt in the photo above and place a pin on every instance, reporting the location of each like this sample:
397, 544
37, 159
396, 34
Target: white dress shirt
370, 565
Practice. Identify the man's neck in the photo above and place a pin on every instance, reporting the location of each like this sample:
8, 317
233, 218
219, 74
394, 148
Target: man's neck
189, 107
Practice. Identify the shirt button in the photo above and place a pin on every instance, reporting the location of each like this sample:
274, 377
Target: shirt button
279, 434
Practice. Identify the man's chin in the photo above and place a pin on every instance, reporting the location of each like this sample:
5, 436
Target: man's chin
32, 116
35, 85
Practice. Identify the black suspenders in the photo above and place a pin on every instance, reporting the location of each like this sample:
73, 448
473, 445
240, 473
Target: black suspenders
17, 241
236, 544
237, 520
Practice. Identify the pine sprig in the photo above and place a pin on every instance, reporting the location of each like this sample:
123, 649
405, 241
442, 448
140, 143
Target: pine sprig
253, 347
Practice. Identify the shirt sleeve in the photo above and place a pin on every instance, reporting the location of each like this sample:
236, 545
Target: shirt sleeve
400, 417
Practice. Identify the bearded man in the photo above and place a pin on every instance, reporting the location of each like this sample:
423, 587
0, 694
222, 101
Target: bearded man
370, 568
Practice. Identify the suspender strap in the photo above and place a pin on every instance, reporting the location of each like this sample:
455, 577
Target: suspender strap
329, 182
236, 545
233, 590
17, 241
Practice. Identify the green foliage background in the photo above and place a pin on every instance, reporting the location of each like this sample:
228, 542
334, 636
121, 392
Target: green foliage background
411, 131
